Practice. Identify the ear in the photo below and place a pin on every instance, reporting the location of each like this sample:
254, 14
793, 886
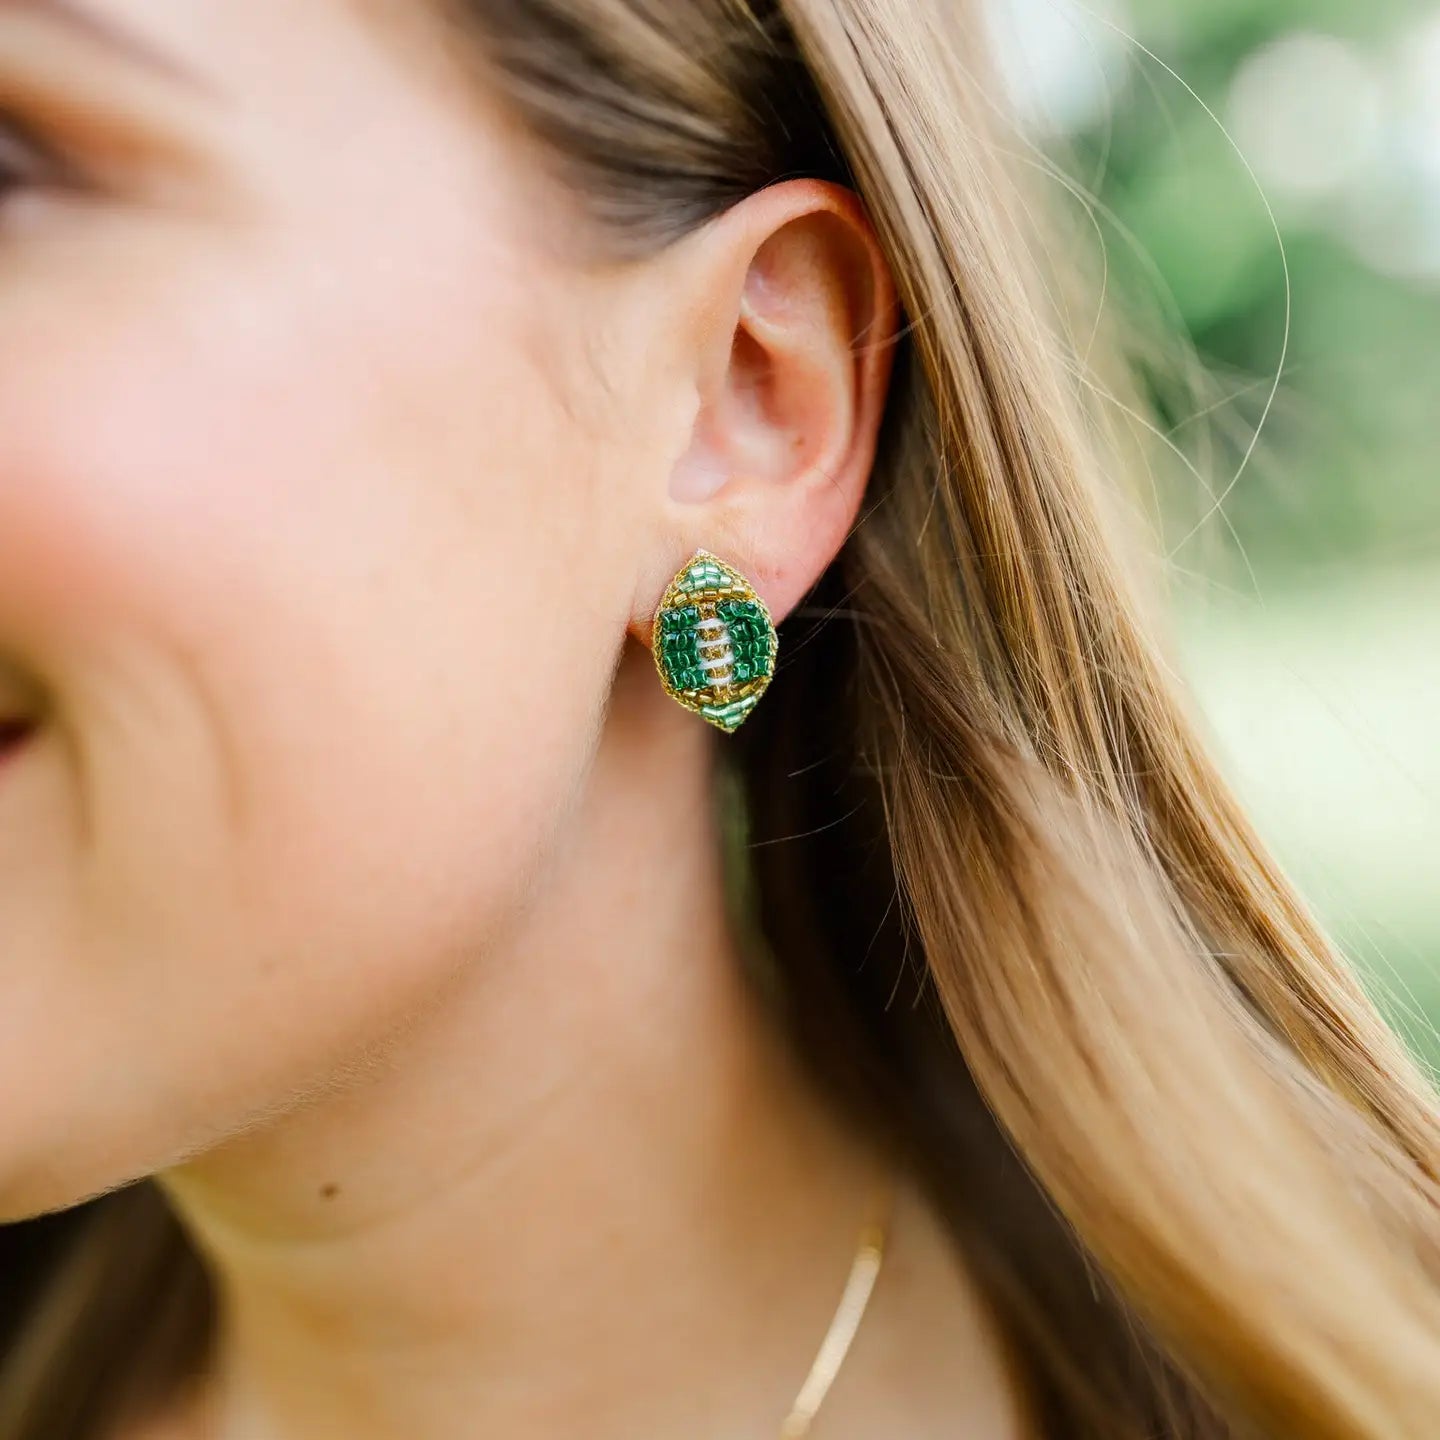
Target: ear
785, 319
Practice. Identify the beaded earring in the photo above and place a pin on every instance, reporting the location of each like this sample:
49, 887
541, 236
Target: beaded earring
714, 641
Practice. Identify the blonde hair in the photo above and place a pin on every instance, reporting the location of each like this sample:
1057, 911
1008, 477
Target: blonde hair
1192, 1166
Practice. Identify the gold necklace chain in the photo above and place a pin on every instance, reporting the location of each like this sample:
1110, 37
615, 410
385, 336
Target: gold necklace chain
836, 1345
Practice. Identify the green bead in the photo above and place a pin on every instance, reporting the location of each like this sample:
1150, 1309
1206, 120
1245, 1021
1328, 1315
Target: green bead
747, 634
680, 647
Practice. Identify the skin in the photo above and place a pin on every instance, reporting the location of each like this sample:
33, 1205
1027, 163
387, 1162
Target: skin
356, 881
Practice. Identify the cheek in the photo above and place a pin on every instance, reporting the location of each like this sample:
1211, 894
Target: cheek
325, 609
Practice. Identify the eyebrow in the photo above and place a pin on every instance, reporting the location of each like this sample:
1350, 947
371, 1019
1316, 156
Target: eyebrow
114, 37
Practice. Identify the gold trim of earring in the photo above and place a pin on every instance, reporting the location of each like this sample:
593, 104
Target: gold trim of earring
714, 641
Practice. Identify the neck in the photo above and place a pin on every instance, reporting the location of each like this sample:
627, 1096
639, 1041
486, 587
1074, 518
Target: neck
588, 1189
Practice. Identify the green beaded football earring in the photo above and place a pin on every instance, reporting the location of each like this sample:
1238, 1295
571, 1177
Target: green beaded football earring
714, 641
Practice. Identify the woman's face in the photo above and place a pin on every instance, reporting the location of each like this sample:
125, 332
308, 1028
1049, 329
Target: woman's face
316, 554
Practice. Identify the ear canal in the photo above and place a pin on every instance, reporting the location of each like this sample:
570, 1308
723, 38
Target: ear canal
714, 642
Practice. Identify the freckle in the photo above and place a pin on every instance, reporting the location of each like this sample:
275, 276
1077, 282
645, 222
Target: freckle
329, 1191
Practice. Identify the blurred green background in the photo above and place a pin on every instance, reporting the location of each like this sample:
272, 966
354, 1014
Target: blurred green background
1310, 603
